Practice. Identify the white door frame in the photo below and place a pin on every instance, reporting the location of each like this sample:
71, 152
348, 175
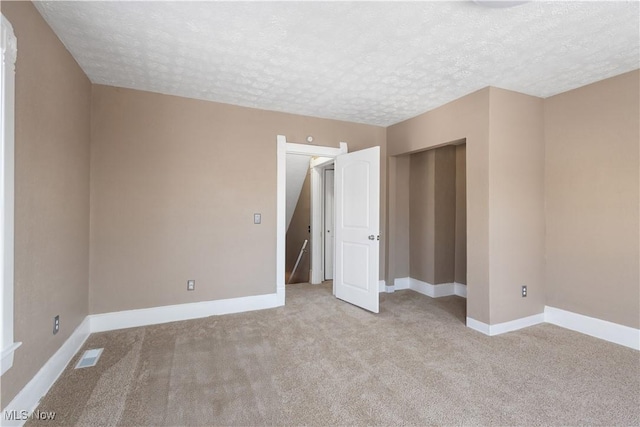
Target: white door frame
326, 232
317, 167
8, 43
283, 149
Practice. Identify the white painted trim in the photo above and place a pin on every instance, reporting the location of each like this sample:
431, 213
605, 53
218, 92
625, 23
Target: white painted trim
317, 266
433, 291
315, 150
382, 286
514, 325
29, 397
318, 167
6, 360
501, 328
317, 213
389, 289
460, 289
9, 45
608, 331
321, 162
284, 148
173, 313
478, 326
401, 283
281, 215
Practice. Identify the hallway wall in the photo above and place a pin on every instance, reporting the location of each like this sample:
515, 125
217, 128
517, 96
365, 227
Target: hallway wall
297, 233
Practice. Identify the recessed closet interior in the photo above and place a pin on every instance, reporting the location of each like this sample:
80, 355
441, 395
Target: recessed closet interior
437, 215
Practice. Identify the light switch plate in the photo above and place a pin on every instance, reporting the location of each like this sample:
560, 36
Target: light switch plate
257, 218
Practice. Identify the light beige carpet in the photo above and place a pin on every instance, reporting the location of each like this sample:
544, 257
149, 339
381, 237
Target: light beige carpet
320, 361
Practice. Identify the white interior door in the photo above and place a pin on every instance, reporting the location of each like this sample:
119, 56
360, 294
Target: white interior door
328, 224
357, 227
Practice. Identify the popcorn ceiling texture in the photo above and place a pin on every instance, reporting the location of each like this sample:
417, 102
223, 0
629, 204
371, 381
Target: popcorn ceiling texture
369, 62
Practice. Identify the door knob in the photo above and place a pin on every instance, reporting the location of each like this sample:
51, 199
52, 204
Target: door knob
372, 237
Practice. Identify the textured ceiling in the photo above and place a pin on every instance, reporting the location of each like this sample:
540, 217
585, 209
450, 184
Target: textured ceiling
368, 62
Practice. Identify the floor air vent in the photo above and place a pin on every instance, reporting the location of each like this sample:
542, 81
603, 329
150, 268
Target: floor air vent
89, 358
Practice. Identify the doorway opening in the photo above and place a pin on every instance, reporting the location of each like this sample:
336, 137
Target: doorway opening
304, 202
437, 221
323, 154
327, 222
356, 222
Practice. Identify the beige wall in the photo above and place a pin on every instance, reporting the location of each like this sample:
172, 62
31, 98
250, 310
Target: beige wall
461, 215
398, 234
52, 108
466, 118
504, 194
297, 232
445, 212
422, 216
516, 181
432, 213
592, 200
174, 186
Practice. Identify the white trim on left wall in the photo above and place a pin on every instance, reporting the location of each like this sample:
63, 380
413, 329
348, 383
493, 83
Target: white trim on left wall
9, 45
29, 397
27, 400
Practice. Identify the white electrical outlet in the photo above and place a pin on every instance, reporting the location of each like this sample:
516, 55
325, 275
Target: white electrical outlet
191, 285
257, 218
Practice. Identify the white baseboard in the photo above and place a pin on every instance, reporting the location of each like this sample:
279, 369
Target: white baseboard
430, 290
382, 286
29, 397
479, 326
439, 290
501, 328
280, 294
401, 283
460, 289
173, 313
609, 331
433, 291
7, 356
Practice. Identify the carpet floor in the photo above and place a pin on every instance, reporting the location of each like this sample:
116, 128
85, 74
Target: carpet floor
320, 361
